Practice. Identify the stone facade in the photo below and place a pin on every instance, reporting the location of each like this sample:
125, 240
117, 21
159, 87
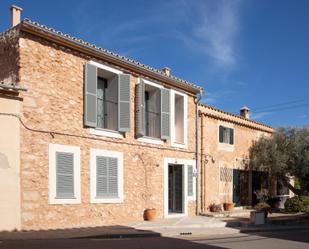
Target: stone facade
53, 113
215, 155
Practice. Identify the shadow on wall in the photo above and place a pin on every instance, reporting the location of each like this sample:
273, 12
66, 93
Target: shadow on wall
92, 238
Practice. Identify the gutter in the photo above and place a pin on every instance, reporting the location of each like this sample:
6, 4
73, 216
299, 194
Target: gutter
198, 99
12, 87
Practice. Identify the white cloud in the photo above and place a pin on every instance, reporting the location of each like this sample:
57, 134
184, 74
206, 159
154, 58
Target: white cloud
259, 115
216, 31
209, 27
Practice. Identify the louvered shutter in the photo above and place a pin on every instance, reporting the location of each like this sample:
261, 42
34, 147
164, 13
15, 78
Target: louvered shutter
124, 102
165, 113
190, 180
102, 176
64, 175
112, 177
221, 133
107, 177
140, 114
231, 136
90, 95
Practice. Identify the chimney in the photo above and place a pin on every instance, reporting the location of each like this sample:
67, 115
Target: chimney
166, 71
15, 15
245, 112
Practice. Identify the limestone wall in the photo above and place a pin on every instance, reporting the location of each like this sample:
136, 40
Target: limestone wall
54, 103
216, 155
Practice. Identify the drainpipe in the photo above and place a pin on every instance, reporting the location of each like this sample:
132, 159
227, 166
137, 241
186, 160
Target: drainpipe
197, 101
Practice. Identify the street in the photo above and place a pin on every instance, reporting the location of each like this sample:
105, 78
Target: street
281, 239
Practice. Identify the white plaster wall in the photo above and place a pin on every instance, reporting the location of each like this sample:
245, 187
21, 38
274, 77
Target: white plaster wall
9, 165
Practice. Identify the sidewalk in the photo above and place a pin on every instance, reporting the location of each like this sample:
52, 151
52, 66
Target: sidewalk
171, 227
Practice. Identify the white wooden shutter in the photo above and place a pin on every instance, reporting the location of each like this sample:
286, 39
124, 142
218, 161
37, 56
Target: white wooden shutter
140, 114
190, 180
90, 95
165, 113
124, 102
64, 175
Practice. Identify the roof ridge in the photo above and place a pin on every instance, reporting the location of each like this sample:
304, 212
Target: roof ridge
234, 115
106, 51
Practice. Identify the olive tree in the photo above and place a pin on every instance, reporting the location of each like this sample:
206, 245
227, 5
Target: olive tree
285, 154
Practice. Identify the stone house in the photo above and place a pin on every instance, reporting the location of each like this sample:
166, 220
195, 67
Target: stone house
96, 135
225, 173
90, 138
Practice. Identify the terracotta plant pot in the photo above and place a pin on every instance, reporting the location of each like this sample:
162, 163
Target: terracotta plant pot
228, 206
150, 214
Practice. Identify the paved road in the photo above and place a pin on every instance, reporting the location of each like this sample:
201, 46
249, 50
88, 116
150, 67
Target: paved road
283, 240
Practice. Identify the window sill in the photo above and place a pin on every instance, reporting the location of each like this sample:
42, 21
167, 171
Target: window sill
99, 200
64, 201
191, 198
105, 133
179, 145
226, 147
150, 140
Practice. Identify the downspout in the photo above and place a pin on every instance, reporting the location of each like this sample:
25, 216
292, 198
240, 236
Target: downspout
197, 101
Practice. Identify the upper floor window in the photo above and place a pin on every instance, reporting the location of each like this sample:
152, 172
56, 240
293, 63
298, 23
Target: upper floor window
107, 98
179, 118
226, 135
153, 110
179, 112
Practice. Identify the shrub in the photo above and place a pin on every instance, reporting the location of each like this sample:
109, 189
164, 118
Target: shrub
262, 206
297, 204
261, 195
273, 202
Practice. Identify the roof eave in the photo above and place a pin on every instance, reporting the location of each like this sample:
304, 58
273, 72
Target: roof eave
91, 50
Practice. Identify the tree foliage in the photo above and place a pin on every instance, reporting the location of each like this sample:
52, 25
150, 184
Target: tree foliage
284, 154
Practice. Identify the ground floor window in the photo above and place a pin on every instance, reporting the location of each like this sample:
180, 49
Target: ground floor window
64, 174
106, 176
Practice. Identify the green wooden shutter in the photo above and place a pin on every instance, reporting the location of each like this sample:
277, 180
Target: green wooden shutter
221, 133
190, 180
140, 114
165, 113
231, 136
64, 175
107, 177
90, 95
124, 102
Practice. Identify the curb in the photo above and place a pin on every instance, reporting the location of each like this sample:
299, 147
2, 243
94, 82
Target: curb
121, 236
270, 229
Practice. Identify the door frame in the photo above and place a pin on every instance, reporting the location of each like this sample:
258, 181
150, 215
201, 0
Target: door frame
184, 163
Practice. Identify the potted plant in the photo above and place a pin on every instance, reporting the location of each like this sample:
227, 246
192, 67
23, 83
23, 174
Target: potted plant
228, 206
215, 207
150, 214
262, 207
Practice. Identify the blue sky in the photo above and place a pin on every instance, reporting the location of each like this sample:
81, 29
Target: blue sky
243, 52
